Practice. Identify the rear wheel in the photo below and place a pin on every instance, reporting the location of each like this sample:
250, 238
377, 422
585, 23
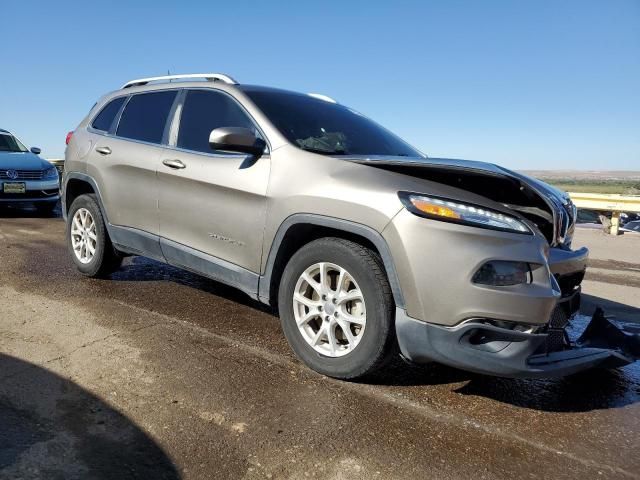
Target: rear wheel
336, 308
87, 239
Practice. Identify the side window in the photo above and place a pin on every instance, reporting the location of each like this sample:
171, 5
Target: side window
145, 116
105, 118
204, 111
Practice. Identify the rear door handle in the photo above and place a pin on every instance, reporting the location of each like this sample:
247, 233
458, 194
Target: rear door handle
103, 150
175, 164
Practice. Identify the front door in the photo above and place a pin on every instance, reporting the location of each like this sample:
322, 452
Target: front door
212, 203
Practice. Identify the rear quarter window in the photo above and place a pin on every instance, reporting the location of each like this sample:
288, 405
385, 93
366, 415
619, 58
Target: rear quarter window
104, 119
145, 116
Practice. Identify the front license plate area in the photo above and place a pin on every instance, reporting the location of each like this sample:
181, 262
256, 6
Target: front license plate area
14, 187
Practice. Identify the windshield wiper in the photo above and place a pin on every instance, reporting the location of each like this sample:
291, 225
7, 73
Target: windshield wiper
324, 152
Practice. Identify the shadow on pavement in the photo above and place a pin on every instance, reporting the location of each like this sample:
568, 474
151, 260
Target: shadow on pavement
594, 389
12, 211
52, 428
621, 311
144, 269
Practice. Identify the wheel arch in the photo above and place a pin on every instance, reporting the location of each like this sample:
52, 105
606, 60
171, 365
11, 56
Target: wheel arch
77, 184
300, 229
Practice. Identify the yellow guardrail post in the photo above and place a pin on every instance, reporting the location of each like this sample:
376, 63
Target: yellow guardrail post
616, 204
615, 223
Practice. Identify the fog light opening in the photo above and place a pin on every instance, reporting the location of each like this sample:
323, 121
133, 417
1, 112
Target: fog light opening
498, 273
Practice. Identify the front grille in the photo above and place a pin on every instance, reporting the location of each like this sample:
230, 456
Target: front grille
570, 282
556, 339
22, 175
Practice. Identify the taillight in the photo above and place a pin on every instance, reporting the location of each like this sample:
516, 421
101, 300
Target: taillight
68, 139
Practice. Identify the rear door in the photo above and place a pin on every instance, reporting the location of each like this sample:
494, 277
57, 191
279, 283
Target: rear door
214, 203
125, 162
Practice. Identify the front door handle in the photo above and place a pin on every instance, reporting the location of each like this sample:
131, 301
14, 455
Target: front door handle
175, 164
103, 150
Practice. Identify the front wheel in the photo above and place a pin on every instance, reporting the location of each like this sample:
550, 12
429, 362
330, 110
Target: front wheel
88, 241
336, 308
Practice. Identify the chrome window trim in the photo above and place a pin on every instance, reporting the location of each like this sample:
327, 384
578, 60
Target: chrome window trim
266, 154
170, 137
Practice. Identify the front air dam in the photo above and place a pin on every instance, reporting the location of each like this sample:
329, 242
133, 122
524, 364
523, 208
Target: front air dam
509, 353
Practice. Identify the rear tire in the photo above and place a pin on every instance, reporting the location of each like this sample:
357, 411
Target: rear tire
336, 308
88, 241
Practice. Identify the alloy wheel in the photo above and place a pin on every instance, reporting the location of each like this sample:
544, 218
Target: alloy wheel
84, 238
329, 309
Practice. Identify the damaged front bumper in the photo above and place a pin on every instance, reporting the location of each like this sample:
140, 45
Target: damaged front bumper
494, 350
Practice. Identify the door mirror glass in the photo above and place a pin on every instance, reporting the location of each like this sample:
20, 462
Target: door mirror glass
236, 139
36, 150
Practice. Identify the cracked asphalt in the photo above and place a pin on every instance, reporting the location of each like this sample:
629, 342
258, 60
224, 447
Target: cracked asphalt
158, 373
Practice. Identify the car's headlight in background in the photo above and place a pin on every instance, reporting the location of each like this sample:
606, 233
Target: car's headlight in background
51, 173
463, 213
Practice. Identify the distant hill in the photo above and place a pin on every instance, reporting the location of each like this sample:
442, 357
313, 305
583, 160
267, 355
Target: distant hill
591, 181
601, 175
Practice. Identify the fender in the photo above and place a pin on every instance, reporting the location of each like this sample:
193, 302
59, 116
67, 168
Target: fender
88, 179
264, 289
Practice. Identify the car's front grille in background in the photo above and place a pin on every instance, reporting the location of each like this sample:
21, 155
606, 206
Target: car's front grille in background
22, 174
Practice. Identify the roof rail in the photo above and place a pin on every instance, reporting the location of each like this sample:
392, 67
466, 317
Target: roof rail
320, 96
210, 77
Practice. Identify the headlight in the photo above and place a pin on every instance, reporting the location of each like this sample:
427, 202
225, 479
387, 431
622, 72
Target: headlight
463, 213
51, 173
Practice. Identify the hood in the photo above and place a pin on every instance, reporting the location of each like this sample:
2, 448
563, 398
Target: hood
547, 207
22, 161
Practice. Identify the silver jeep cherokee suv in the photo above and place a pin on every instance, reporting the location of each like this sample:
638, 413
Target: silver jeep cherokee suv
363, 244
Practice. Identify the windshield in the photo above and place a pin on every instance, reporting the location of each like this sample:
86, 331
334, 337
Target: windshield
9, 143
325, 127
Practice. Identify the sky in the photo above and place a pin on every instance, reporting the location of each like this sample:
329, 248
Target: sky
528, 84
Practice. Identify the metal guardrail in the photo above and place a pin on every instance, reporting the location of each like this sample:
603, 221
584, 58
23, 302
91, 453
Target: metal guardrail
616, 204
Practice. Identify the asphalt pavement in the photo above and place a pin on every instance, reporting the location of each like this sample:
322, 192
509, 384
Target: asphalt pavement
158, 373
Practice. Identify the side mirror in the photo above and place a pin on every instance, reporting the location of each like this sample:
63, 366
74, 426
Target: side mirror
35, 150
236, 139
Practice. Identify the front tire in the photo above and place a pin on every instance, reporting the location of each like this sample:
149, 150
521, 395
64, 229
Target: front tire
336, 308
88, 241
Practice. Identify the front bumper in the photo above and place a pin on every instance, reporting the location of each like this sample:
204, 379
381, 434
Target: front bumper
436, 261
515, 331
37, 191
490, 350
